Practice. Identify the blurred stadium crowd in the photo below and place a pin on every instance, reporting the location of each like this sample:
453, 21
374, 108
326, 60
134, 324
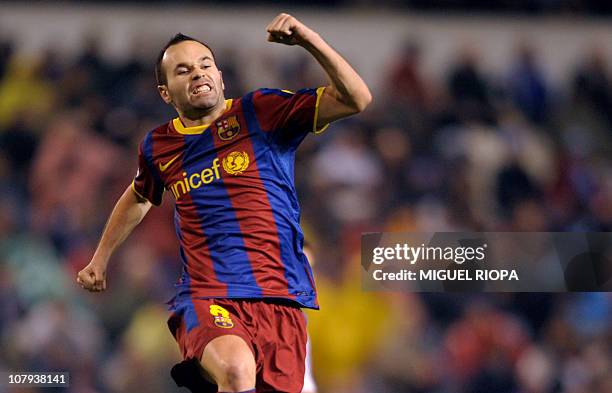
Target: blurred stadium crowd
470, 151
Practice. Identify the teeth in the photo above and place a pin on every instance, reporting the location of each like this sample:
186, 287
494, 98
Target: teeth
201, 89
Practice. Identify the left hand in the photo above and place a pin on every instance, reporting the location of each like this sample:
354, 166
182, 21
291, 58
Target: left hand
286, 29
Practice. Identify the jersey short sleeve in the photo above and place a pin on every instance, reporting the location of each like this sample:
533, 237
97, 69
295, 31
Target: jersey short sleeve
146, 183
287, 116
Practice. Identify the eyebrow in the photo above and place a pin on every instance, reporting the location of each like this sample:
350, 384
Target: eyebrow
203, 58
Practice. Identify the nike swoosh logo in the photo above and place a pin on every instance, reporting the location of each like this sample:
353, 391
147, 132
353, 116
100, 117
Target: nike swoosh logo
163, 167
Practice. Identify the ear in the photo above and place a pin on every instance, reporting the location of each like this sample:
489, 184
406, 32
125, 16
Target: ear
221, 76
164, 93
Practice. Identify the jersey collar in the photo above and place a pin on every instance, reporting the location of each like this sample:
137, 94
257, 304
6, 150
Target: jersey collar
181, 129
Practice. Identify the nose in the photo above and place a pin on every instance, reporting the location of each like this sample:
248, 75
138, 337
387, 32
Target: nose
197, 74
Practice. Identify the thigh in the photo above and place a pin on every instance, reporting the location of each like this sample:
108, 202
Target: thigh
228, 352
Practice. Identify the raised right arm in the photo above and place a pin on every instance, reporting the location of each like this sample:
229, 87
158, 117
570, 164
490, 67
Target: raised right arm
128, 212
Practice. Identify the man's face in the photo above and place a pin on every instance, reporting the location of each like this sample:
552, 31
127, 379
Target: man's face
194, 84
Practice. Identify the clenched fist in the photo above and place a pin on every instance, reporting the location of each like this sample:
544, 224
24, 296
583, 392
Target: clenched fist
93, 277
286, 29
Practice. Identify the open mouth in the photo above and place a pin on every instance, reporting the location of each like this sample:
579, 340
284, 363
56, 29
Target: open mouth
201, 89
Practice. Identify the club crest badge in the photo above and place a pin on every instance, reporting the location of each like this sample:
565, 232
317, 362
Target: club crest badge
228, 128
236, 162
221, 317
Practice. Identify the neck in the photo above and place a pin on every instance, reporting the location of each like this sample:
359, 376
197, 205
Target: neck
200, 118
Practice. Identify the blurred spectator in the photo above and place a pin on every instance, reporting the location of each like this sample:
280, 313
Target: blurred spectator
66, 183
146, 347
405, 82
352, 327
592, 85
349, 175
514, 186
536, 371
469, 88
24, 94
527, 85
409, 96
6, 53
482, 345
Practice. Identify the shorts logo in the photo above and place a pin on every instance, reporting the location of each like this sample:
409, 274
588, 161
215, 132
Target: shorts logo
228, 128
236, 162
221, 317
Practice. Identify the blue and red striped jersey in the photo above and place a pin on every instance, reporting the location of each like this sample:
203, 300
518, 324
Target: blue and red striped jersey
236, 209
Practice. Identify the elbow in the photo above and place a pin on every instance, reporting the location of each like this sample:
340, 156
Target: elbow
363, 100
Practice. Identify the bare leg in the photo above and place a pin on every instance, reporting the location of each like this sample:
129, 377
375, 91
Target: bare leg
229, 362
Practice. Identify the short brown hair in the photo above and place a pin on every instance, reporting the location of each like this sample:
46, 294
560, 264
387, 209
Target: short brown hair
160, 74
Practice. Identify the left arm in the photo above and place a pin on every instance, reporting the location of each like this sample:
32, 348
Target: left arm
346, 93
